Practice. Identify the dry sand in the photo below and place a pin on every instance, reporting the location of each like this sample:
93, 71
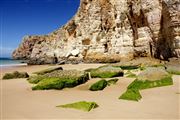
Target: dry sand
18, 101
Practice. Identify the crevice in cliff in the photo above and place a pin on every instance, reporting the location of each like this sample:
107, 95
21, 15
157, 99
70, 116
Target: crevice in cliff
163, 45
136, 21
133, 23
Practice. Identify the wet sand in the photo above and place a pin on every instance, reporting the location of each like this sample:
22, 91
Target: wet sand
18, 101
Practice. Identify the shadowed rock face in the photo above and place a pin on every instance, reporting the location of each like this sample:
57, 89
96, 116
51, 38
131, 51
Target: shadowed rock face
102, 29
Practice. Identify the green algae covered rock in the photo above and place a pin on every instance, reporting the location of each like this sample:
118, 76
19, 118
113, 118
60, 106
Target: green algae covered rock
152, 74
100, 85
173, 69
15, 74
131, 94
66, 74
35, 79
129, 74
49, 83
49, 70
105, 72
150, 78
112, 81
150, 84
59, 80
82, 105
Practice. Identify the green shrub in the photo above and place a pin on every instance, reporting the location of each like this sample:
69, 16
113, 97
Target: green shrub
112, 81
131, 94
100, 85
15, 74
82, 105
49, 70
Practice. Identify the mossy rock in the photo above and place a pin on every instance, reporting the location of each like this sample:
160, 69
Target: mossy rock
129, 67
60, 80
49, 83
63, 74
129, 74
100, 85
141, 63
138, 84
82, 105
131, 94
112, 81
152, 74
35, 79
173, 69
106, 72
49, 70
150, 78
15, 74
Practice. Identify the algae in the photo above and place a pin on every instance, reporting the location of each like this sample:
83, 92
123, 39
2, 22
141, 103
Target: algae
82, 105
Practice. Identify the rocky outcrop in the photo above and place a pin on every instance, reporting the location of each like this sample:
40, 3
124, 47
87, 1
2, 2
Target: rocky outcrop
109, 31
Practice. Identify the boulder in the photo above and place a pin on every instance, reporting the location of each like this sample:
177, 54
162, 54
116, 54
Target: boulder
100, 85
82, 105
49, 70
153, 74
59, 79
106, 72
15, 74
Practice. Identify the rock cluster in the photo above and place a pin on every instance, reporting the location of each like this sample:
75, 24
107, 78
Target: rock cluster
109, 31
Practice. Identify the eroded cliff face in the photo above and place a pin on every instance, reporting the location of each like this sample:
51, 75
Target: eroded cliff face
109, 31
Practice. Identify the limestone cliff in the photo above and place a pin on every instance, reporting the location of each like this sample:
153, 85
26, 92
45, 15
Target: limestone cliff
108, 31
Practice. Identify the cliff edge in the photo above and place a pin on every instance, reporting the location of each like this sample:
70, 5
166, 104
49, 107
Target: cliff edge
109, 31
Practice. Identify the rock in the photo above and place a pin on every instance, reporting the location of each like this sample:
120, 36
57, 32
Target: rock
173, 69
106, 72
15, 74
112, 81
131, 94
100, 85
149, 78
75, 52
173, 66
82, 105
59, 79
152, 74
49, 70
115, 30
138, 63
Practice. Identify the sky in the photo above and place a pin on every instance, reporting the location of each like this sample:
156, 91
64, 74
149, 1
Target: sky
31, 17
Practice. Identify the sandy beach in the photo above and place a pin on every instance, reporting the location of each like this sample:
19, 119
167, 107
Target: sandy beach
18, 101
